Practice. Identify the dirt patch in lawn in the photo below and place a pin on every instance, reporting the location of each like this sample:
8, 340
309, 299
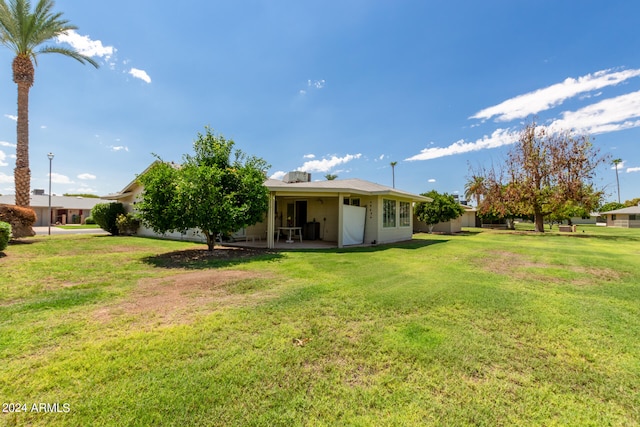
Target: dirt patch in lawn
180, 298
519, 267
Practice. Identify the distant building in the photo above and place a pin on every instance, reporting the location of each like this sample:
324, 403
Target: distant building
64, 209
625, 217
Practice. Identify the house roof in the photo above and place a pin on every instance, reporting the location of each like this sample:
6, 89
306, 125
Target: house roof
57, 202
351, 186
630, 211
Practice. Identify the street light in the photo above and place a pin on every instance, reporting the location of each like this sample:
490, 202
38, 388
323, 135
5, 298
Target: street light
50, 156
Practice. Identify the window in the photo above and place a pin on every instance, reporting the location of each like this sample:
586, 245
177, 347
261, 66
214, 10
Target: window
613, 217
632, 217
351, 201
405, 214
388, 213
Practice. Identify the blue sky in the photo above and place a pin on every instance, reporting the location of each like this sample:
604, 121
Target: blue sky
342, 87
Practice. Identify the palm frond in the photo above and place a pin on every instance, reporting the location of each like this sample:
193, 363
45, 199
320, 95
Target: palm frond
70, 53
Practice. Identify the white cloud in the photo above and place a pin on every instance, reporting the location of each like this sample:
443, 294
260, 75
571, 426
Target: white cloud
12, 117
7, 144
5, 179
57, 178
302, 92
318, 84
119, 148
278, 175
86, 176
633, 170
309, 156
544, 99
140, 74
86, 46
325, 165
498, 138
431, 180
3, 157
608, 115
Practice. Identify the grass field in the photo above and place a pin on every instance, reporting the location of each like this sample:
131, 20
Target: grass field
485, 328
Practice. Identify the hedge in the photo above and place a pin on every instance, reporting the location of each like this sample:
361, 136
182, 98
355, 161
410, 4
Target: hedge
20, 218
106, 215
5, 234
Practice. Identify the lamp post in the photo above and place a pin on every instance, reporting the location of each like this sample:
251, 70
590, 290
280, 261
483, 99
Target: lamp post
50, 156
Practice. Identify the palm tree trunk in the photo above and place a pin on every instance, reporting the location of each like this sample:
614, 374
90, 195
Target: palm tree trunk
22, 173
23, 73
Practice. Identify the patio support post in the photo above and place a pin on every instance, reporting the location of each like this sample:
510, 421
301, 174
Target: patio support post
340, 211
271, 220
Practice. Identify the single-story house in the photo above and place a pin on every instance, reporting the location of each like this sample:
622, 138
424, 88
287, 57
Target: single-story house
64, 209
345, 212
625, 217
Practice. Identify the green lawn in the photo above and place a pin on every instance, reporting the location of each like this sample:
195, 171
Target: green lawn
78, 226
486, 328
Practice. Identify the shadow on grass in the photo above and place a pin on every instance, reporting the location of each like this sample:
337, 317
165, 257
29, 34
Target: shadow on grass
409, 244
202, 258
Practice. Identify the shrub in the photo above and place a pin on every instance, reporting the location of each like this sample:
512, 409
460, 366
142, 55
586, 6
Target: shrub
106, 214
5, 234
90, 220
127, 224
20, 218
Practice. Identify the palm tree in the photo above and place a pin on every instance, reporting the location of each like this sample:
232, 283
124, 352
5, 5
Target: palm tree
616, 162
24, 32
475, 188
330, 177
393, 172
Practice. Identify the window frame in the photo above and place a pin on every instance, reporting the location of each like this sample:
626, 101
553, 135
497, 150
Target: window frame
404, 215
389, 211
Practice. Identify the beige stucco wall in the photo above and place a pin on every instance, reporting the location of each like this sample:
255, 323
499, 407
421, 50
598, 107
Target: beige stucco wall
453, 226
622, 220
468, 219
397, 233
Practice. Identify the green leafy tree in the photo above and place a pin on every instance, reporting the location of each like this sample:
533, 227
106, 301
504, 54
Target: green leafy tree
24, 32
218, 190
330, 176
632, 202
443, 208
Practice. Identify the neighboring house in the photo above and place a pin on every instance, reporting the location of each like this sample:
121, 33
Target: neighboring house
467, 219
625, 217
346, 212
585, 220
64, 209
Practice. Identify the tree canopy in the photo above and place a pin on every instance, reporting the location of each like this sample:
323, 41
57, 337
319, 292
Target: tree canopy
218, 190
443, 208
546, 173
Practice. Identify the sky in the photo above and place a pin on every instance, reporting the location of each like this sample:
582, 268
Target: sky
336, 87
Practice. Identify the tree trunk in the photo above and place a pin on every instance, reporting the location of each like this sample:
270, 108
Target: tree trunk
431, 227
539, 220
23, 73
211, 240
